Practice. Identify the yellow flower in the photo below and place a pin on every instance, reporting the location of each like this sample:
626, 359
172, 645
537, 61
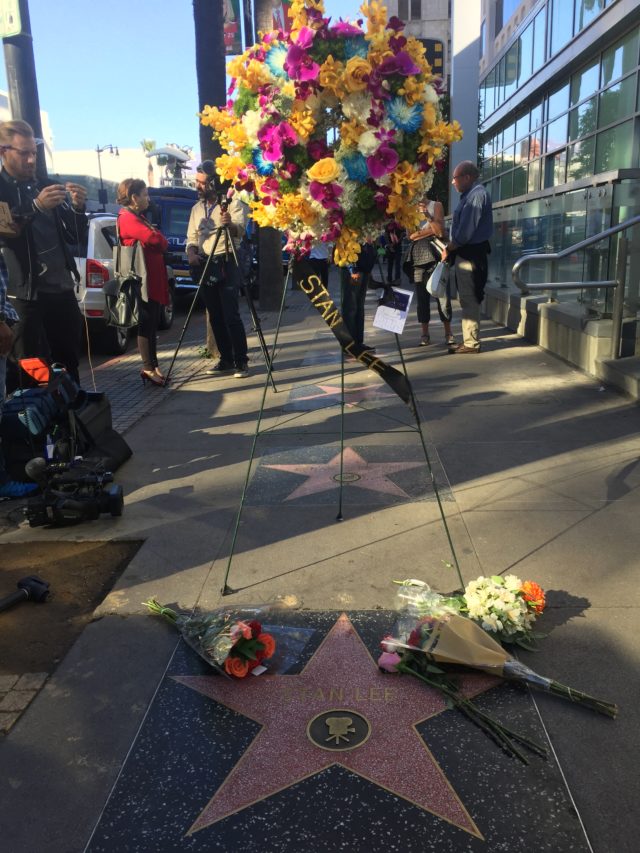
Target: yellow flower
412, 89
350, 132
292, 211
416, 51
219, 120
329, 76
404, 178
376, 15
228, 167
324, 171
429, 116
347, 248
357, 69
237, 136
256, 74
262, 214
302, 121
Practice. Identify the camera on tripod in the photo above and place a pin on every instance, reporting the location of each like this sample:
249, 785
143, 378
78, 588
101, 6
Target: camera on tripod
72, 492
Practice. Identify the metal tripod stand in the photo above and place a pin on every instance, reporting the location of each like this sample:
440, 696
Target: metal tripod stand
229, 250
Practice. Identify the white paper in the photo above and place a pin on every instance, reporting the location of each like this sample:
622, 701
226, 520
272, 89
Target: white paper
393, 315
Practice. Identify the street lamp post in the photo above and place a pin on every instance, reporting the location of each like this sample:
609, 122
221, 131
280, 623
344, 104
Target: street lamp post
102, 193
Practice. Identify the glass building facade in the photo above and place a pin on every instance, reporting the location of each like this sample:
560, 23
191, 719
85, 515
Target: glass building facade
560, 137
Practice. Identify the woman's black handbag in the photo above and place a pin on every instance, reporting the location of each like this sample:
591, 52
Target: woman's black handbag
123, 293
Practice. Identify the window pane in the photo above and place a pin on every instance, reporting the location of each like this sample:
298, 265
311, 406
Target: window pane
586, 11
580, 163
538, 39
620, 58
561, 25
534, 176
416, 10
614, 148
511, 70
536, 116
535, 147
520, 181
506, 185
556, 134
584, 83
558, 101
617, 102
507, 158
522, 126
403, 9
508, 135
526, 55
555, 169
582, 120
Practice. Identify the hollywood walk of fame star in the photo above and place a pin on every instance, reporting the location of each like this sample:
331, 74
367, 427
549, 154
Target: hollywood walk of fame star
322, 476
352, 394
341, 675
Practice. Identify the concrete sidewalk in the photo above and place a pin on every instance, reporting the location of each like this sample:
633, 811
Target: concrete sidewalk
537, 474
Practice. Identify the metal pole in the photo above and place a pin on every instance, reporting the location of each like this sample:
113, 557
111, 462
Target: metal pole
618, 297
22, 82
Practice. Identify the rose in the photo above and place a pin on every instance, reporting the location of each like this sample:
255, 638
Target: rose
235, 666
324, 171
388, 661
269, 646
356, 74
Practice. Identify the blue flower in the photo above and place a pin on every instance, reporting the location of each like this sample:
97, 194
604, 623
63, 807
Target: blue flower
275, 60
404, 116
356, 46
263, 167
356, 166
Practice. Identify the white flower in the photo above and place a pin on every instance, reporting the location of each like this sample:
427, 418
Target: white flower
368, 143
357, 106
430, 95
252, 121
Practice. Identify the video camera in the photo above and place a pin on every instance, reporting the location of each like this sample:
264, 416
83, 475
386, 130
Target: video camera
208, 168
72, 492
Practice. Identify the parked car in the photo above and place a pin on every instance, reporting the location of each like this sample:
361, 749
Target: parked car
95, 265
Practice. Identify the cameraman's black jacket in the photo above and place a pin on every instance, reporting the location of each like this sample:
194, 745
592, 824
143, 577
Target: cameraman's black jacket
20, 252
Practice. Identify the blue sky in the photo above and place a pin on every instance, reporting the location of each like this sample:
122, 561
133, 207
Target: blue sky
118, 71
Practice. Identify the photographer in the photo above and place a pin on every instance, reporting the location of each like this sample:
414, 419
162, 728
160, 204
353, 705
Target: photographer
48, 220
220, 289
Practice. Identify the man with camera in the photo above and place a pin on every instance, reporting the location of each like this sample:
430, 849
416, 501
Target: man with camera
215, 221
47, 220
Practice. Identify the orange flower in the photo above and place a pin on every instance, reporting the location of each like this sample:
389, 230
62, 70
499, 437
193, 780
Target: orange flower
533, 595
269, 646
235, 666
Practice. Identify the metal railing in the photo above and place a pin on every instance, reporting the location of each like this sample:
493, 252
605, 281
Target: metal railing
617, 283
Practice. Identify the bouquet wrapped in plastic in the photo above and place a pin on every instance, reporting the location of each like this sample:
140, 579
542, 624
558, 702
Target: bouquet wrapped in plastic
431, 637
235, 642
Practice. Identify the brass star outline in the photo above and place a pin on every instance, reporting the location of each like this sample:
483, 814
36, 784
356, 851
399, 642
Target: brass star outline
402, 703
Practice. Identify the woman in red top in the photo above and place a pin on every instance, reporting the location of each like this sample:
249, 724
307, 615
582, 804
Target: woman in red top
133, 228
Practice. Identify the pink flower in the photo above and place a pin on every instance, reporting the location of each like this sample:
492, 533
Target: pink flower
305, 37
394, 23
299, 65
270, 143
317, 149
240, 629
396, 43
381, 198
345, 29
388, 661
326, 194
287, 134
382, 162
401, 63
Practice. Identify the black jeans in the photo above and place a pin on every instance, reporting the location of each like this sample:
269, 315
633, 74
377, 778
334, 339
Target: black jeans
352, 308
50, 327
148, 333
221, 301
423, 297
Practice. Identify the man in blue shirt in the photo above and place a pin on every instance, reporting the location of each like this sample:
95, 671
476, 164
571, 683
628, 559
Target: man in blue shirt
8, 488
469, 247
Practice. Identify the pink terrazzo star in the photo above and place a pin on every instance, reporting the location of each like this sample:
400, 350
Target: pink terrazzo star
352, 394
341, 675
322, 476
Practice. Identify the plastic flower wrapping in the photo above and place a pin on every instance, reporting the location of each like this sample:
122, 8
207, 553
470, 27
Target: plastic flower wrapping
334, 129
236, 642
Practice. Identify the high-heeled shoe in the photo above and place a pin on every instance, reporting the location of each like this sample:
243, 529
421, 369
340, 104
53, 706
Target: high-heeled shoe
161, 376
146, 376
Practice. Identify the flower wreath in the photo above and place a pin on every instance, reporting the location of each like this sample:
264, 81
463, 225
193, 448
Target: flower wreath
334, 130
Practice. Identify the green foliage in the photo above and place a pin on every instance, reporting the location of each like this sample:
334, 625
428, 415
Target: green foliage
245, 100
